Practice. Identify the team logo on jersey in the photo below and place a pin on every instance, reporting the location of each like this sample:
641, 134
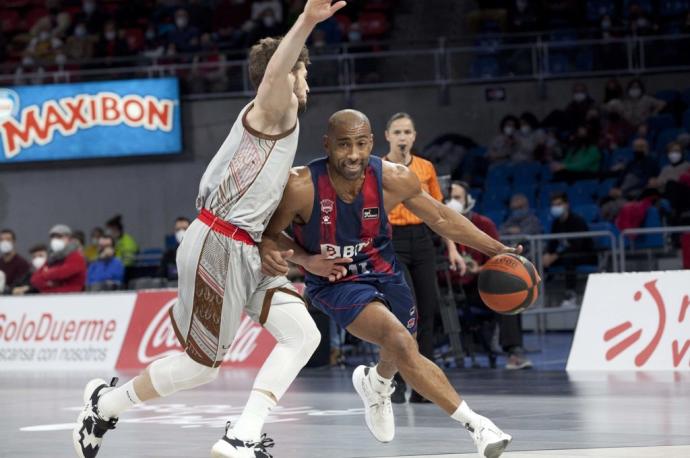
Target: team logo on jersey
327, 206
370, 213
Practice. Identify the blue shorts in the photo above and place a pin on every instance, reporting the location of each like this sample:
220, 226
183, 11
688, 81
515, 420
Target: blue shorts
345, 300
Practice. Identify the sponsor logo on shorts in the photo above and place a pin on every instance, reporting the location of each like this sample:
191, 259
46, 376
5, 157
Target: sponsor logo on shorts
370, 213
411, 322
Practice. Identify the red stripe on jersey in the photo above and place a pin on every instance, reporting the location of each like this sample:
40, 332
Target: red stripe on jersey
372, 226
328, 209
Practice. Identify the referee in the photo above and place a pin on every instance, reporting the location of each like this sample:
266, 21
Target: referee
412, 241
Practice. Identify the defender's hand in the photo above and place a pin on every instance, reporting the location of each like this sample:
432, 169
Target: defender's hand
316, 11
323, 266
273, 261
457, 263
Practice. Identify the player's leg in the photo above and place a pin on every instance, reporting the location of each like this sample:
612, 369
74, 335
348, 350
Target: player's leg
376, 324
296, 337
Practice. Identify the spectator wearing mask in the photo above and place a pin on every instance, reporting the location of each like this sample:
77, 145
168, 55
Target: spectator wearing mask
107, 272
579, 106
568, 252
91, 17
126, 247
637, 173
510, 326
669, 181
80, 45
91, 250
505, 144
12, 265
110, 43
636, 107
582, 159
168, 268
39, 256
522, 219
184, 36
528, 138
65, 269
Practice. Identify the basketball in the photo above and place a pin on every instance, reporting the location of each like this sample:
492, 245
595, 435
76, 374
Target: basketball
508, 283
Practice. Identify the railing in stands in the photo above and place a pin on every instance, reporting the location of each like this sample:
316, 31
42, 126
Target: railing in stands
622, 248
390, 65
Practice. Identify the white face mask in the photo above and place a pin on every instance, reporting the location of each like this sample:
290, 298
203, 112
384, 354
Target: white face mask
6, 247
179, 235
456, 204
110, 35
181, 22
509, 130
525, 130
674, 156
57, 245
635, 92
38, 262
579, 96
557, 211
269, 21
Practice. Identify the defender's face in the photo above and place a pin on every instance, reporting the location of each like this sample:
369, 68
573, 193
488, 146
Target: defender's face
301, 87
401, 135
349, 148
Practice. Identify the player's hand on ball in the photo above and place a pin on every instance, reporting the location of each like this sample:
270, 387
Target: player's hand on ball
320, 10
323, 266
510, 250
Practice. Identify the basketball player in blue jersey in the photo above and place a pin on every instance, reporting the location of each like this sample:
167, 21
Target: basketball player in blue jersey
337, 207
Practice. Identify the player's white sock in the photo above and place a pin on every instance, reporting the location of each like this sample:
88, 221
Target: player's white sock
248, 427
465, 415
380, 383
114, 402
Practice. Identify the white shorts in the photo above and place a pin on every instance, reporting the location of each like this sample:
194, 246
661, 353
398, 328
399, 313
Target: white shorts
218, 277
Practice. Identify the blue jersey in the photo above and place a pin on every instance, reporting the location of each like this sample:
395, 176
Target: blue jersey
359, 230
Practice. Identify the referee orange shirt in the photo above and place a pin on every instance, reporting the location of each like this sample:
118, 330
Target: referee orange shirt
425, 171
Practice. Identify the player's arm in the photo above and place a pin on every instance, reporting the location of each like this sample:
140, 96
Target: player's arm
401, 185
275, 94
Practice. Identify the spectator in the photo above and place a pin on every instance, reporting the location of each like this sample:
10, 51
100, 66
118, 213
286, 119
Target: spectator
505, 144
579, 106
65, 269
260, 7
184, 36
231, 21
80, 45
39, 256
669, 182
636, 107
126, 247
44, 46
510, 326
637, 173
91, 250
266, 25
12, 265
613, 90
528, 138
79, 238
522, 219
523, 16
568, 252
111, 43
616, 131
91, 17
168, 268
107, 272
582, 159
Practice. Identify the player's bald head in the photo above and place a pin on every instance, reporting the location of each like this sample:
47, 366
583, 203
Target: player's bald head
348, 121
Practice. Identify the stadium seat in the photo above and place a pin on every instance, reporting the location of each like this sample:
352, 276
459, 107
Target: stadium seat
496, 197
647, 241
547, 190
665, 137
590, 212
485, 67
686, 120
499, 175
668, 95
527, 172
596, 9
558, 63
660, 122
603, 242
545, 219
670, 8
374, 25
496, 215
685, 96
621, 155
605, 186
584, 60
10, 21
583, 192
149, 257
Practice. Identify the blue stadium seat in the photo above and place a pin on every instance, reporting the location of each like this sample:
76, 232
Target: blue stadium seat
149, 257
587, 269
668, 95
558, 63
665, 137
545, 219
500, 174
621, 155
583, 192
497, 216
686, 119
546, 190
603, 243
590, 212
685, 96
605, 186
496, 197
646, 241
669, 8
485, 67
660, 122
527, 172
584, 60
596, 9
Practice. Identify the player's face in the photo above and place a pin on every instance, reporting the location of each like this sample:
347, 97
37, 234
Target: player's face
401, 135
349, 147
301, 86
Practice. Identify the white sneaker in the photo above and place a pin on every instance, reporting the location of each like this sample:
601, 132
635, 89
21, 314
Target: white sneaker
490, 441
88, 432
232, 447
378, 410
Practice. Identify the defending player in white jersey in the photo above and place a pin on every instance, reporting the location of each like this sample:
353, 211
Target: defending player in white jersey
219, 265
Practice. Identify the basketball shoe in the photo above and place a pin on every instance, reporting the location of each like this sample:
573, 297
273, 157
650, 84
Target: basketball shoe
378, 410
232, 447
87, 434
490, 441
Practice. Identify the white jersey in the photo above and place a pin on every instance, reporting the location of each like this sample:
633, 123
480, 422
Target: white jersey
245, 180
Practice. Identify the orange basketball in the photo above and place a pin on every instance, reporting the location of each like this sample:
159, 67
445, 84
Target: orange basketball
508, 283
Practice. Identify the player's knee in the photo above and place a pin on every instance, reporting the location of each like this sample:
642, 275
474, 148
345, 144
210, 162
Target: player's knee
400, 344
179, 372
312, 339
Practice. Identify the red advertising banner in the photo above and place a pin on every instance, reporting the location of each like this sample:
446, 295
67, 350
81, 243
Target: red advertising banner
151, 335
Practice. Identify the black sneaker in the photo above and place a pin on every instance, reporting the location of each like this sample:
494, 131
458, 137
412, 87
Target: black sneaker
87, 434
398, 396
230, 446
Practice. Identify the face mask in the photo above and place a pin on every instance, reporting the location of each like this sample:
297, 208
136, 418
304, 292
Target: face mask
150, 34
80, 31
89, 7
579, 96
457, 205
269, 21
520, 212
557, 211
181, 22
354, 36
57, 245
674, 156
6, 247
509, 130
60, 59
38, 262
179, 235
635, 92
110, 35
525, 130
606, 24
521, 5
43, 36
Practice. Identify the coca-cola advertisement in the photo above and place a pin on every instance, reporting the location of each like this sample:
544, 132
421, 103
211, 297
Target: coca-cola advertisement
151, 335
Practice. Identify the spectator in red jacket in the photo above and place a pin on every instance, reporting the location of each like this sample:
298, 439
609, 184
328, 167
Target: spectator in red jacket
65, 270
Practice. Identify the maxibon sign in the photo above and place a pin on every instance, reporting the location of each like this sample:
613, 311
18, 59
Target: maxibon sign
87, 120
